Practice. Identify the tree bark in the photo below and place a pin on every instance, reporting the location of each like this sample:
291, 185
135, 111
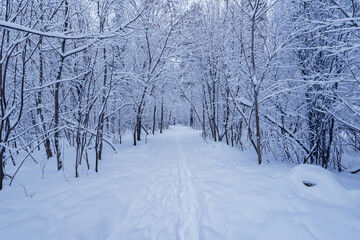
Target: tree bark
162, 117
154, 121
191, 116
56, 93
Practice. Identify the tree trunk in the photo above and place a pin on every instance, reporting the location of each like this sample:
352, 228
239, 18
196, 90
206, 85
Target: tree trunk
154, 121
39, 104
56, 113
57, 89
138, 127
204, 118
191, 117
134, 134
1, 166
258, 140
255, 89
214, 111
103, 102
162, 117
78, 147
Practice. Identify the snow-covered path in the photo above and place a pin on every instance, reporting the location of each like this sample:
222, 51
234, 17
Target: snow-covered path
179, 187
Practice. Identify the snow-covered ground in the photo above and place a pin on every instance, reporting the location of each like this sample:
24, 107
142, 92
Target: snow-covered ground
179, 187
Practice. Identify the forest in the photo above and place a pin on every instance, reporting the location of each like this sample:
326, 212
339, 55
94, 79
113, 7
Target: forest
278, 77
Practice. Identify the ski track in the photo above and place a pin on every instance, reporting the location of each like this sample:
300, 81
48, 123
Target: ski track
189, 226
177, 187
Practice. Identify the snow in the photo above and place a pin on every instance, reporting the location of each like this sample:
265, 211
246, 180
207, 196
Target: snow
11, 25
176, 186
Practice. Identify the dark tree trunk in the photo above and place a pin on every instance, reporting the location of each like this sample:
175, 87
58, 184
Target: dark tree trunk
47, 145
191, 117
203, 120
214, 111
103, 102
57, 89
138, 127
1, 166
257, 119
232, 135
162, 117
134, 134
154, 121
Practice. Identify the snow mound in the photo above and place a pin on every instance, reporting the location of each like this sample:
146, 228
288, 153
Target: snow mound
314, 182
